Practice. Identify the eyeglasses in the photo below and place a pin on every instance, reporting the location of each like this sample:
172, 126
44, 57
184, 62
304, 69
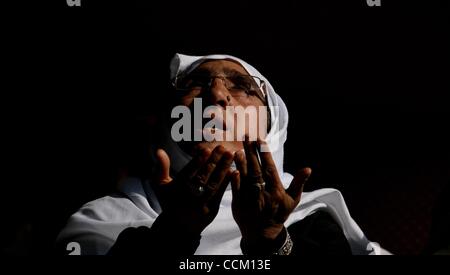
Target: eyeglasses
238, 85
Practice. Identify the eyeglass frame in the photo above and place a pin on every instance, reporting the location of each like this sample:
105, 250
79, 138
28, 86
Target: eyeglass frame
261, 87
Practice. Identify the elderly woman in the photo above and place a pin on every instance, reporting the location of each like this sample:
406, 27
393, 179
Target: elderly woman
220, 196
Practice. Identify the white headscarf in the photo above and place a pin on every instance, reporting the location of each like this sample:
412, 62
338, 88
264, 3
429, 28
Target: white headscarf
184, 64
97, 224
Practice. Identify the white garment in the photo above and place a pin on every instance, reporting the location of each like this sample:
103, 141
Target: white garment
98, 223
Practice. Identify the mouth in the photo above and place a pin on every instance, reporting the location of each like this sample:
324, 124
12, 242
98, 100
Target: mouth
219, 128
214, 128
219, 123
216, 120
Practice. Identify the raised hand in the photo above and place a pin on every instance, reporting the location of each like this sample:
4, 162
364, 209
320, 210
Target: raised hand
260, 204
191, 200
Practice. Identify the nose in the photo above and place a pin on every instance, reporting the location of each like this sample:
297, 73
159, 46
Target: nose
218, 93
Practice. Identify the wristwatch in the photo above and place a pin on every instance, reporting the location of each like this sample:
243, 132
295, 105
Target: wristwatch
286, 249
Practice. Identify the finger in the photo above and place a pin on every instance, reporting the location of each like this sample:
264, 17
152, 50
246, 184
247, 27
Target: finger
217, 177
215, 200
199, 158
235, 183
269, 169
241, 162
163, 167
295, 189
209, 166
254, 173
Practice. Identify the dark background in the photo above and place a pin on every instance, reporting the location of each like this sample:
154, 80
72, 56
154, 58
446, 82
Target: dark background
367, 90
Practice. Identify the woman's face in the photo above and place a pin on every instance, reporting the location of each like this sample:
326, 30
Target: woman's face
222, 93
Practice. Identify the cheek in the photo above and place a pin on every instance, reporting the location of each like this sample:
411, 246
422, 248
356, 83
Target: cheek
258, 124
249, 101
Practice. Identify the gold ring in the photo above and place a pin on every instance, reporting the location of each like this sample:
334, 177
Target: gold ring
260, 185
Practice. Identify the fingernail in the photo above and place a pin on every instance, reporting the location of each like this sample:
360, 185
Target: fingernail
308, 172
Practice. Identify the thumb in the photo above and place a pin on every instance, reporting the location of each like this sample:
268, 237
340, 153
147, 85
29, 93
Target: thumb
296, 188
163, 167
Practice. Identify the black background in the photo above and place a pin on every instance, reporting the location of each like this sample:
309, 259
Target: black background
367, 90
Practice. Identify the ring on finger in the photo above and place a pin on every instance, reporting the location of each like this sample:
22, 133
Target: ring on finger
260, 185
197, 190
197, 186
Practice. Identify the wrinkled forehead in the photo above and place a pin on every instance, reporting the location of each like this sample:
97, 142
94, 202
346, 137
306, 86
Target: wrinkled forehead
220, 66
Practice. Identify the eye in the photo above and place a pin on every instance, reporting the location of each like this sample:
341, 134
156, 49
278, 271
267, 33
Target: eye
241, 82
194, 81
